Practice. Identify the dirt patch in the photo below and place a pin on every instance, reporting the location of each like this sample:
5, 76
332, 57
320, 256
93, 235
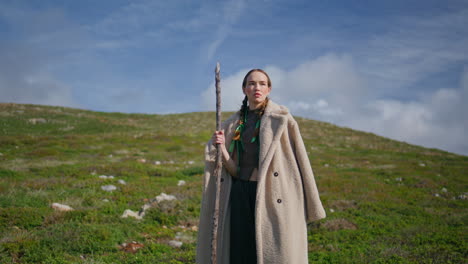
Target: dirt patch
342, 205
338, 224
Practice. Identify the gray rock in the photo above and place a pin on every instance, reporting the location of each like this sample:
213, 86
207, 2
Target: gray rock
180, 183
108, 188
61, 207
174, 243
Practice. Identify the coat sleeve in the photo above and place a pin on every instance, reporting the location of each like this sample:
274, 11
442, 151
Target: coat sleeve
210, 160
314, 208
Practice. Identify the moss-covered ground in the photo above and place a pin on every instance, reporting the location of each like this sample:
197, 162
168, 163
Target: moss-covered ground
387, 201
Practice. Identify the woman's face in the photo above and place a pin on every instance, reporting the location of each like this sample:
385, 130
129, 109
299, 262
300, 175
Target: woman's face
256, 88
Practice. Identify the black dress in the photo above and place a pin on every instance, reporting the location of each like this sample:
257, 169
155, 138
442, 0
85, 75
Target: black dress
243, 197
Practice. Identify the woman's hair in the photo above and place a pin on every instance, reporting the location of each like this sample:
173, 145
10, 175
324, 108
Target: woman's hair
244, 106
244, 82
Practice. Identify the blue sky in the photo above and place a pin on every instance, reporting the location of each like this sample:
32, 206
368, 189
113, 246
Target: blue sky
395, 68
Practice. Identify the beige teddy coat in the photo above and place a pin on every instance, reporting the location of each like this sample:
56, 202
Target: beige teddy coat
287, 196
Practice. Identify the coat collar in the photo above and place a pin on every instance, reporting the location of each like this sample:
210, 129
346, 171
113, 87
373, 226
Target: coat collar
273, 122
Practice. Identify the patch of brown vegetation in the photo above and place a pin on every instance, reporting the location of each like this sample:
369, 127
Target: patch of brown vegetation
338, 224
131, 247
342, 205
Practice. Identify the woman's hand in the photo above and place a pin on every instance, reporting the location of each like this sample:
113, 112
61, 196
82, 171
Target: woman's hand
218, 137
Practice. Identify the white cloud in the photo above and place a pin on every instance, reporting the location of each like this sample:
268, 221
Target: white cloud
230, 14
330, 88
231, 93
324, 86
414, 48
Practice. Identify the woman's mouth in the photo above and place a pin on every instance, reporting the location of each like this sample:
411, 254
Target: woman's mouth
258, 94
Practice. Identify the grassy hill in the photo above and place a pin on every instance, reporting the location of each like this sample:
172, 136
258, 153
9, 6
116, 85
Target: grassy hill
387, 201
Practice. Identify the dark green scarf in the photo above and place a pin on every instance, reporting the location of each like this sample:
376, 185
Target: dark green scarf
238, 144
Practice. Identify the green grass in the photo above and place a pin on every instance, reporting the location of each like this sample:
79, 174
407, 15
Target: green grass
392, 202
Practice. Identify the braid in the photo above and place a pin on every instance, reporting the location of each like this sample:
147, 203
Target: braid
241, 115
260, 114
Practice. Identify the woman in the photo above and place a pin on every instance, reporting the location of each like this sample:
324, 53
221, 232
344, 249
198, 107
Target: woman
268, 190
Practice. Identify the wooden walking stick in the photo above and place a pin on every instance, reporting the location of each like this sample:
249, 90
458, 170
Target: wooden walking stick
218, 168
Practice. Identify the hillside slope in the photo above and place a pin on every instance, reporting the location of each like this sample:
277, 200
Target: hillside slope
387, 201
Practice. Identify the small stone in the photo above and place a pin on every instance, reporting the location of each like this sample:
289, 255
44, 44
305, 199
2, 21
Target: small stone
171, 162
399, 179
37, 121
326, 165
191, 162
129, 213
108, 188
142, 160
194, 228
180, 183
103, 177
110, 156
122, 182
165, 197
332, 211
146, 207
175, 243
157, 162
105, 200
444, 190
422, 164
61, 207
165, 227
110, 177
437, 195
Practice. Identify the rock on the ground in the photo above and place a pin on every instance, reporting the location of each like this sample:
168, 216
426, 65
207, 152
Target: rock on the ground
61, 207
180, 183
37, 121
174, 243
165, 197
103, 177
122, 182
108, 188
129, 213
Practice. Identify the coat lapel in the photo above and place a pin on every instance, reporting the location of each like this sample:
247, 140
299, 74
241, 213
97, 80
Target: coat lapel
271, 128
